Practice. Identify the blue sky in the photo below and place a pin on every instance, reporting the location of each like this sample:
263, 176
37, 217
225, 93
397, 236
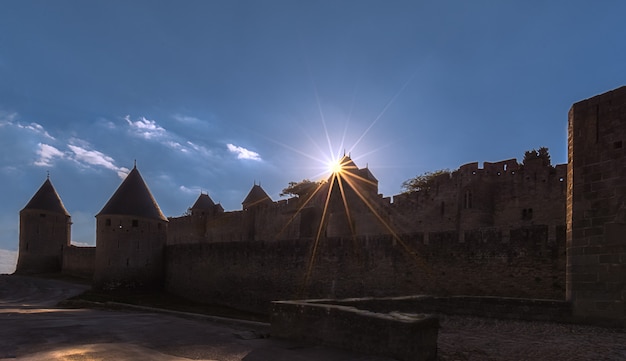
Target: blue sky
216, 95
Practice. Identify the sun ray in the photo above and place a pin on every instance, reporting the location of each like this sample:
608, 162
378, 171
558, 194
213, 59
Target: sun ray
389, 103
317, 239
419, 261
301, 207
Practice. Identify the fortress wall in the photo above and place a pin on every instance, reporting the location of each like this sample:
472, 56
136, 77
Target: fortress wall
248, 275
504, 194
186, 229
79, 261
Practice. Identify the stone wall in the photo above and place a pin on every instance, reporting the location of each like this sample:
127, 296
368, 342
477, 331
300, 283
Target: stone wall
493, 307
596, 207
401, 336
248, 275
79, 261
504, 194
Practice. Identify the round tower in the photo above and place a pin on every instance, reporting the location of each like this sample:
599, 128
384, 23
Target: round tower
131, 232
45, 227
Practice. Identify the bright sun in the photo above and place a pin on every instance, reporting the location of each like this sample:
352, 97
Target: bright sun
335, 166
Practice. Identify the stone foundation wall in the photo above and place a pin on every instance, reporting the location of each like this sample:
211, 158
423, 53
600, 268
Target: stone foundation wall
400, 336
249, 275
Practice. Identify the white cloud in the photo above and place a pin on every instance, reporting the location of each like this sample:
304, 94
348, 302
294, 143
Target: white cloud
7, 118
8, 261
35, 127
175, 145
146, 128
243, 153
185, 119
46, 155
11, 119
199, 148
192, 190
94, 157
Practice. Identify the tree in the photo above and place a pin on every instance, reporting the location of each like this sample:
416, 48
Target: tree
423, 182
542, 154
300, 189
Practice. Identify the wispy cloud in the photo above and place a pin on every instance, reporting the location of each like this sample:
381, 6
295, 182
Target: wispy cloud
243, 153
146, 128
93, 157
46, 154
7, 118
204, 151
10, 119
186, 119
35, 127
189, 190
175, 145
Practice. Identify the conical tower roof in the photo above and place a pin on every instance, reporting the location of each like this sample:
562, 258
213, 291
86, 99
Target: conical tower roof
204, 202
47, 199
133, 198
347, 164
256, 196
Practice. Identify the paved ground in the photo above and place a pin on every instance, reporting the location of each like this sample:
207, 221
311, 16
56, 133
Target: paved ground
32, 328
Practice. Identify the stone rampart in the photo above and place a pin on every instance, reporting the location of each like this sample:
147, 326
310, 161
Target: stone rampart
249, 275
79, 261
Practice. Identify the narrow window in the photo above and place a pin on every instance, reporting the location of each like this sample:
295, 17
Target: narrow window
107, 222
443, 208
468, 199
135, 223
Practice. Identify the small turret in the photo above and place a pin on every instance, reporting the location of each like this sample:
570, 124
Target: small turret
205, 206
131, 232
45, 229
256, 197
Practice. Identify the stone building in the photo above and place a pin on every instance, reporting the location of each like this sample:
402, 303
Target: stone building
131, 232
45, 227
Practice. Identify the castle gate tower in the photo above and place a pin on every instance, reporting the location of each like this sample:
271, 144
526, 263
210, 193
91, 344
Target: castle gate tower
596, 208
131, 233
45, 227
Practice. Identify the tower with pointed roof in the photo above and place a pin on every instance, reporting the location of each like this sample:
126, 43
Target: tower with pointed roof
45, 228
131, 233
256, 200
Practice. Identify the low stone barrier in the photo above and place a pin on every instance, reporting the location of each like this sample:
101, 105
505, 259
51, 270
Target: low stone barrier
405, 337
493, 307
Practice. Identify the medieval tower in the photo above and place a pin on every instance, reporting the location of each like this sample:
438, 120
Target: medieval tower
44, 232
596, 207
131, 233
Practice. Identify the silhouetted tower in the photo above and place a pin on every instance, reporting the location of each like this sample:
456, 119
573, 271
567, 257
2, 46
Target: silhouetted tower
131, 232
45, 227
256, 199
353, 198
205, 206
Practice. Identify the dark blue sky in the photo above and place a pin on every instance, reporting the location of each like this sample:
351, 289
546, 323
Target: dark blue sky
215, 95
